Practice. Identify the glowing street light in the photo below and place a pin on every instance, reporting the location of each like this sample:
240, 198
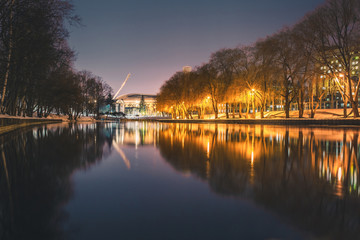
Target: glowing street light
252, 95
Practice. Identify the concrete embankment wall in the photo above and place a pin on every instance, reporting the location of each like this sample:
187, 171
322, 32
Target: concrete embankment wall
11, 124
307, 122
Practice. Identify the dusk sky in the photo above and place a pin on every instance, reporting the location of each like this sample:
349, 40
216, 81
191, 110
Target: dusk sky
154, 39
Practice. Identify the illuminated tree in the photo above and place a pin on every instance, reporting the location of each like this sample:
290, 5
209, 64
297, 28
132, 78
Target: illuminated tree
285, 64
228, 64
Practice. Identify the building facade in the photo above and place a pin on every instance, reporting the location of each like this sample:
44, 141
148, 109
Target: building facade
333, 77
136, 104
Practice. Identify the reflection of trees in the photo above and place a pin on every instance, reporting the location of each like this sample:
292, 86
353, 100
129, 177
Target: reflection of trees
35, 172
309, 176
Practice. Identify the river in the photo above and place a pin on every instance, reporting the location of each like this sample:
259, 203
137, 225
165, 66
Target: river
148, 180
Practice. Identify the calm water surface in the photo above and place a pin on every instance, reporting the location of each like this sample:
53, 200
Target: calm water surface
141, 180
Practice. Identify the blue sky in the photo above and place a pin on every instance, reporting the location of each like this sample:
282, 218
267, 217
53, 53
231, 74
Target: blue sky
152, 39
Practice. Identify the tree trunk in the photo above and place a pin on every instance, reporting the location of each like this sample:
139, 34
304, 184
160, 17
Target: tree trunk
215, 107
227, 110
8, 58
301, 104
354, 103
274, 104
191, 117
233, 106
355, 108
247, 109
240, 109
287, 111
287, 107
253, 107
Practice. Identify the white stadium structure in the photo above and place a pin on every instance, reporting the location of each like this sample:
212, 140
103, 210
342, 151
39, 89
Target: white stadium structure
136, 104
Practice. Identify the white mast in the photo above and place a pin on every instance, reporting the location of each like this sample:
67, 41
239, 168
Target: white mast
127, 78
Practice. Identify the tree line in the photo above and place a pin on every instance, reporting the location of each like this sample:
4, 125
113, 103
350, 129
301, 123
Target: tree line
315, 60
37, 75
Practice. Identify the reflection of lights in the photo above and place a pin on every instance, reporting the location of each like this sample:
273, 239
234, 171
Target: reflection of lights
208, 150
137, 139
252, 158
355, 180
339, 174
207, 169
122, 135
186, 174
328, 174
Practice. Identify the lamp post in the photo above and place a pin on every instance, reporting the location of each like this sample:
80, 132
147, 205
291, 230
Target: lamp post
252, 95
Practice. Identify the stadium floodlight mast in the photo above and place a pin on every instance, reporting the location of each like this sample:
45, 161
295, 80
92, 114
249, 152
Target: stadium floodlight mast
127, 78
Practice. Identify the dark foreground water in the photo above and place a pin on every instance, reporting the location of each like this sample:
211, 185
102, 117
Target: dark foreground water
179, 181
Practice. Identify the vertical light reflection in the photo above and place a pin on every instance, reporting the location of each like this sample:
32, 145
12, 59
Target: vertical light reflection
339, 174
137, 139
207, 169
122, 132
252, 158
252, 170
208, 150
9, 186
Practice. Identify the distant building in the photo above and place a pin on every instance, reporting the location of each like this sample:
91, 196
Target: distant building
334, 72
136, 104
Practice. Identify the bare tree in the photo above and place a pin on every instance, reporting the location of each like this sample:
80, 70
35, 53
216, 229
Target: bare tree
336, 30
285, 64
228, 64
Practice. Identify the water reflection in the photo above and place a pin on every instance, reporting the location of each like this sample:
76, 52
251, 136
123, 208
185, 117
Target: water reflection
35, 171
309, 176
36, 168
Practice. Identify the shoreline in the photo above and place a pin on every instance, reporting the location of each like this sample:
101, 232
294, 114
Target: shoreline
13, 124
285, 122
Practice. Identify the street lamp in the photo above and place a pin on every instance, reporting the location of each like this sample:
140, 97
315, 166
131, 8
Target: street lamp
203, 104
252, 95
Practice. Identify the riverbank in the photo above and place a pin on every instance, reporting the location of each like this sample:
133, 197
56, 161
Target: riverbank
9, 124
290, 121
333, 117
